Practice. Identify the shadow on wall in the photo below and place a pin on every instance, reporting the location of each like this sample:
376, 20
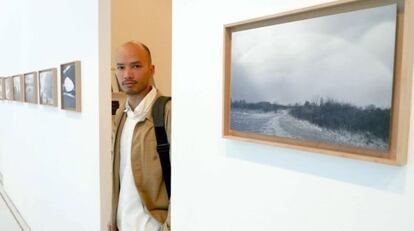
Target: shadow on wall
374, 175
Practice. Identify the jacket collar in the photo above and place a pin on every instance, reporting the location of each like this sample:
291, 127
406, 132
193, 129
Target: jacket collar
148, 114
140, 112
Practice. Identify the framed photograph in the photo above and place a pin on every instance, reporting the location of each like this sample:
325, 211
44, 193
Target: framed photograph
18, 94
8, 88
30, 87
70, 82
333, 78
48, 87
2, 92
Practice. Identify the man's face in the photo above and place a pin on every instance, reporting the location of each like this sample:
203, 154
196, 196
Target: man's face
133, 70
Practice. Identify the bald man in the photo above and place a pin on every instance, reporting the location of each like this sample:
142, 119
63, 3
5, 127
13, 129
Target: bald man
140, 201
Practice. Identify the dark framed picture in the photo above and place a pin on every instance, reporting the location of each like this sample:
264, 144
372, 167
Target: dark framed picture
30, 87
2, 92
331, 78
70, 82
48, 87
8, 88
18, 94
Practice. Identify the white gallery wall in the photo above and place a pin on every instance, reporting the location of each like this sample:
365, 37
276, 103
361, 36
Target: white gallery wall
221, 184
50, 159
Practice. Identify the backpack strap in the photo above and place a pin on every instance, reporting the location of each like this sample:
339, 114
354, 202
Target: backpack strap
163, 147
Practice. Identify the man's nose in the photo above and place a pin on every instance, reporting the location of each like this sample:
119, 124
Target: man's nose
127, 72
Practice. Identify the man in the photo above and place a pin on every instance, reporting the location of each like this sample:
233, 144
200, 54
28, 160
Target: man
140, 201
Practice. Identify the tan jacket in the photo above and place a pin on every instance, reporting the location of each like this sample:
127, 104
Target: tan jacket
146, 166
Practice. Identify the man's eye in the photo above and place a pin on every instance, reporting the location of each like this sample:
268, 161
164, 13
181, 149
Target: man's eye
136, 66
120, 68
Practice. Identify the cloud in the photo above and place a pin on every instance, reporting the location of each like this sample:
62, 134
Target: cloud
298, 61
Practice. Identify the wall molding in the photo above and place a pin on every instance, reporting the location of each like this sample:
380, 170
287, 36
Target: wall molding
15, 212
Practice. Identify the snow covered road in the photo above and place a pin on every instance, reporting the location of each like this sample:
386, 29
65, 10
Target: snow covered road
282, 124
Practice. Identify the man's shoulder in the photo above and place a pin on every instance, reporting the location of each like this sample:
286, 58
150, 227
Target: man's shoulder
167, 110
120, 110
118, 115
167, 104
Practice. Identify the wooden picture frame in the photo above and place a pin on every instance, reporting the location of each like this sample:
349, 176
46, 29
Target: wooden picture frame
8, 88
30, 87
247, 72
18, 93
70, 83
48, 87
2, 93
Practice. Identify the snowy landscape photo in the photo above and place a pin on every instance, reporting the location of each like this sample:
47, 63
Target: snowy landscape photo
327, 79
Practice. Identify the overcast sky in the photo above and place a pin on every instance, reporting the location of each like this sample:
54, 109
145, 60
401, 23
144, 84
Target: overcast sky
348, 57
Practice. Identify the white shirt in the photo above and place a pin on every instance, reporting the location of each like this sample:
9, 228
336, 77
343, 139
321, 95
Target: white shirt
131, 215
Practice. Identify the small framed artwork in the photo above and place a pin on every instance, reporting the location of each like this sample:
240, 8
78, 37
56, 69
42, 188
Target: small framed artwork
70, 83
2, 95
48, 87
18, 94
30, 87
333, 78
8, 88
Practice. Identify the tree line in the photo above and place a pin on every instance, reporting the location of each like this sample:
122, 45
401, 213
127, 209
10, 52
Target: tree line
263, 106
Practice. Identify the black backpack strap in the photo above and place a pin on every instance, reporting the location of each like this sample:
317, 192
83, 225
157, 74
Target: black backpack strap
163, 147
